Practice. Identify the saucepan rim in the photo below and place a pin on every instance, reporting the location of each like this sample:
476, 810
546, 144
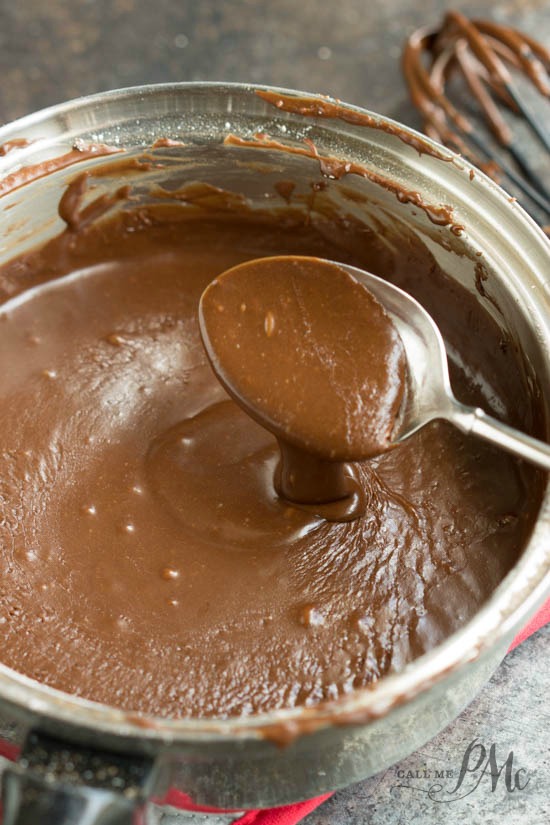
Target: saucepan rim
514, 599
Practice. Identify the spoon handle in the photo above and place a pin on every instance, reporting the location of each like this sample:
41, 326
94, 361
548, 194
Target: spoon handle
472, 420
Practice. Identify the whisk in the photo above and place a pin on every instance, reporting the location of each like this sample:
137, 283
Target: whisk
490, 58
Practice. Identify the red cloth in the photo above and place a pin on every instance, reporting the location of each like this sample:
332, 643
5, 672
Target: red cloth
284, 815
540, 618
291, 814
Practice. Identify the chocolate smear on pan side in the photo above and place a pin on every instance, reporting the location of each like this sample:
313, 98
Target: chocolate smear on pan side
332, 109
34, 171
336, 168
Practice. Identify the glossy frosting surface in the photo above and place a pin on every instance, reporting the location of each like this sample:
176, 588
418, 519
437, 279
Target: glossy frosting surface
146, 560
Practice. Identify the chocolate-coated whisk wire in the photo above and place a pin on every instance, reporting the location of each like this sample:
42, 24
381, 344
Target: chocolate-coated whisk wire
536, 127
498, 125
481, 52
537, 197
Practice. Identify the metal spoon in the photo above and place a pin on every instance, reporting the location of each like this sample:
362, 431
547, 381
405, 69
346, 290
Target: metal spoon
429, 393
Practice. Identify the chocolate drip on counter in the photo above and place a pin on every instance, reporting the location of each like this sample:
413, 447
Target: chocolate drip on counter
146, 559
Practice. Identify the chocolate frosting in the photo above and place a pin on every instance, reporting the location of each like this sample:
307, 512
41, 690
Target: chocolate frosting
314, 357
146, 558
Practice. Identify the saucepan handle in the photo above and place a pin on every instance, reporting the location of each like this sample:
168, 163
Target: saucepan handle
56, 783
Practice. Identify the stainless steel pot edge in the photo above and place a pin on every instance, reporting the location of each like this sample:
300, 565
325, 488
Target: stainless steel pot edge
517, 596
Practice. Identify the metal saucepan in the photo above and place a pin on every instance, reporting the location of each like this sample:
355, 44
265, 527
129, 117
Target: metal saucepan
83, 762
